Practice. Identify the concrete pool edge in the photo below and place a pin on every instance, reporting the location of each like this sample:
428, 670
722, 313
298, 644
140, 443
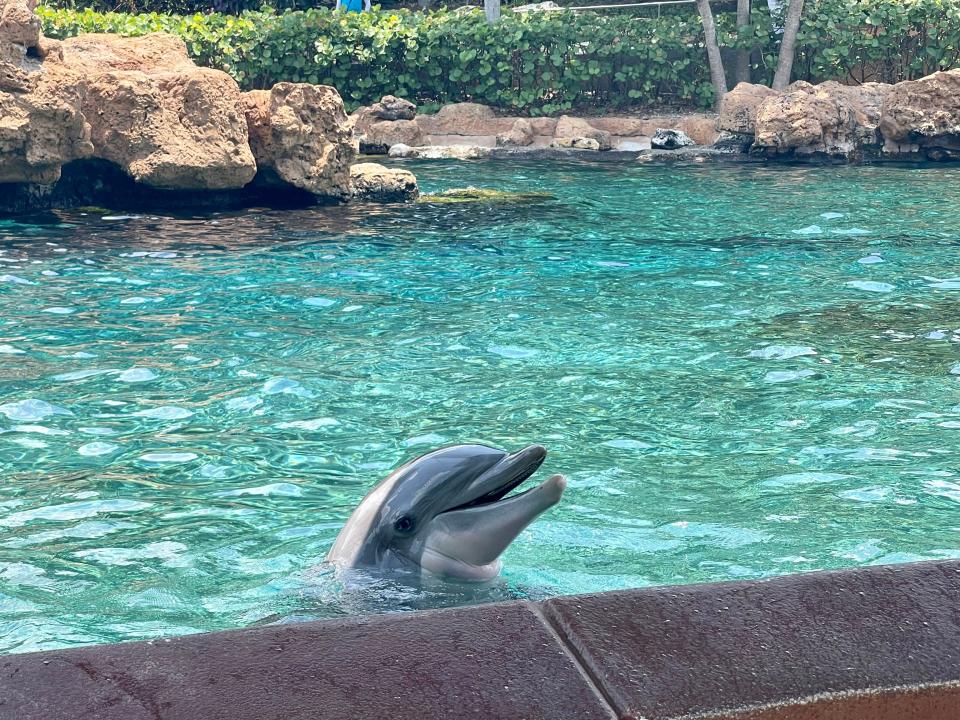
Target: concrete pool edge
877, 642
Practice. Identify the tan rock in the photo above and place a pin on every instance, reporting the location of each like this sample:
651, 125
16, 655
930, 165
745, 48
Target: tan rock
300, 133
374, 182
520, 135
829, 118
576, 143
573, 128
42, 130
381, 135
923, 113
543, 126
738, 108
18, 24
464, 119
164, 121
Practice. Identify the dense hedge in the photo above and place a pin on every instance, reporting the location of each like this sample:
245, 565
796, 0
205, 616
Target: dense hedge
536, 62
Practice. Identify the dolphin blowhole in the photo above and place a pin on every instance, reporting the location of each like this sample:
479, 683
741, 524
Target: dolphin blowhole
448, 513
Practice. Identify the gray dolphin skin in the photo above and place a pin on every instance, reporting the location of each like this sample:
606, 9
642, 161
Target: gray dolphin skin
447, 513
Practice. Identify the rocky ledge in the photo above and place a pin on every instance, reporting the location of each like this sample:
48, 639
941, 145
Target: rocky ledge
101, 118
915, 120
470, 130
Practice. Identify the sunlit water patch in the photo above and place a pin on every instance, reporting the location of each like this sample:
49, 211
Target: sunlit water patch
743, 371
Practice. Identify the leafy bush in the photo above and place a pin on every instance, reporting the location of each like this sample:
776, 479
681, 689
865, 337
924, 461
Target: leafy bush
539, 63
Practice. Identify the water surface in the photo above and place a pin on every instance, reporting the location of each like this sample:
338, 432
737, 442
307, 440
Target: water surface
744, 372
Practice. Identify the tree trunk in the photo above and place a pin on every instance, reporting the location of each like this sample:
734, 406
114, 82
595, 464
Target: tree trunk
741, 72
492, 9
717, 74
788, 46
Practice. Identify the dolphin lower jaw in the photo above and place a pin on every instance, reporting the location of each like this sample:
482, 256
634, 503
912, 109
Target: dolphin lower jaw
439, 564
467, 543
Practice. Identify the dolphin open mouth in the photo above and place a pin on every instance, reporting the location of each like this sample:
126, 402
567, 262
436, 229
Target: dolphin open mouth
504, 477
467, 539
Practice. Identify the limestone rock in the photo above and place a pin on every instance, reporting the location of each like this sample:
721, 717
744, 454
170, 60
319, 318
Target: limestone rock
393, 108
18, 25
575, 143
440, 152
666, 139
738, 108
374, 182
42, 130
578, 129
381, 135
924, 115
520, 135
830, 119
167, 123
464, 119
300, 135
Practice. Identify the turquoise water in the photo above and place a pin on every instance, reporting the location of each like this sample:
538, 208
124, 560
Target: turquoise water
744, 372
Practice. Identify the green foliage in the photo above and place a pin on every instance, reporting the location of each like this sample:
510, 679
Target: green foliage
539, 63
877, 40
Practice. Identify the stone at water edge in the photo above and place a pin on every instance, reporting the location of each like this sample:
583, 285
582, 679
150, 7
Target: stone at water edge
520, 135
738, 108
577, 129
923, 115
664, 139
376, 183
300, 136
393, 108
380, 136
575, 143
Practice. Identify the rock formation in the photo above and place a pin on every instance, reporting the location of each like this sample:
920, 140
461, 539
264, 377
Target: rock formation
135, 118
374, 182
913, 120
923, 117
300, 136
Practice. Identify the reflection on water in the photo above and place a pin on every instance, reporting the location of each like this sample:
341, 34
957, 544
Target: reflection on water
743, 371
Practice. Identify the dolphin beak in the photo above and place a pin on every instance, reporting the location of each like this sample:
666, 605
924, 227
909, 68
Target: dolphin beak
507, 474
467, 541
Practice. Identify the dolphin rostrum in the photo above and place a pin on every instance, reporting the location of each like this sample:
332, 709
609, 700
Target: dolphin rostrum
447, 512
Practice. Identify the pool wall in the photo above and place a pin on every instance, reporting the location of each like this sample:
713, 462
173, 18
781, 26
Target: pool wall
879, 642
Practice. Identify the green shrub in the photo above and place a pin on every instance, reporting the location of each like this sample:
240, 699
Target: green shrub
539, 63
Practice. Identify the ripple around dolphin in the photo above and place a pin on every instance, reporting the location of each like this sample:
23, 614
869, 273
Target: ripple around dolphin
182, 434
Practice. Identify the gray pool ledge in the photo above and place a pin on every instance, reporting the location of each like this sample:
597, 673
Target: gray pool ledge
877, 643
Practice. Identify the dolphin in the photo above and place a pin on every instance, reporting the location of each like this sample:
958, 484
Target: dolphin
447, 513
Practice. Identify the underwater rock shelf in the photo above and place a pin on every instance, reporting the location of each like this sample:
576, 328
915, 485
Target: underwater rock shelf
879, 643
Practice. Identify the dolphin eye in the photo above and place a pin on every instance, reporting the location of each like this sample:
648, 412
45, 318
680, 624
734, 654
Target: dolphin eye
404, 524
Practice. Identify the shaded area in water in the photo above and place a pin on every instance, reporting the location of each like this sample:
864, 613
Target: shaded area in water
744, 371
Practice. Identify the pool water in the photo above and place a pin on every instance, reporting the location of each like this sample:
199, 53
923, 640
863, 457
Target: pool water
744, 371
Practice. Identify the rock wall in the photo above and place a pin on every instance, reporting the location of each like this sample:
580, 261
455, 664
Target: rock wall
913, 120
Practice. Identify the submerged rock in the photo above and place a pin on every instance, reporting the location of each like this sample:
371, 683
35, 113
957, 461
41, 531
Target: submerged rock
374, 182
485, 195
664, 139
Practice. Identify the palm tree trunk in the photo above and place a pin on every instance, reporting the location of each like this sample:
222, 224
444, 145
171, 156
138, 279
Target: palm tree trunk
788, 47
741, 72
717, 75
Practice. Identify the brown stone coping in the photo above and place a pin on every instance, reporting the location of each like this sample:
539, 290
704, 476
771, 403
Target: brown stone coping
873, 643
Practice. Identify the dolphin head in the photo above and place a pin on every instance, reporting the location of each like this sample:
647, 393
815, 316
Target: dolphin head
447, 512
